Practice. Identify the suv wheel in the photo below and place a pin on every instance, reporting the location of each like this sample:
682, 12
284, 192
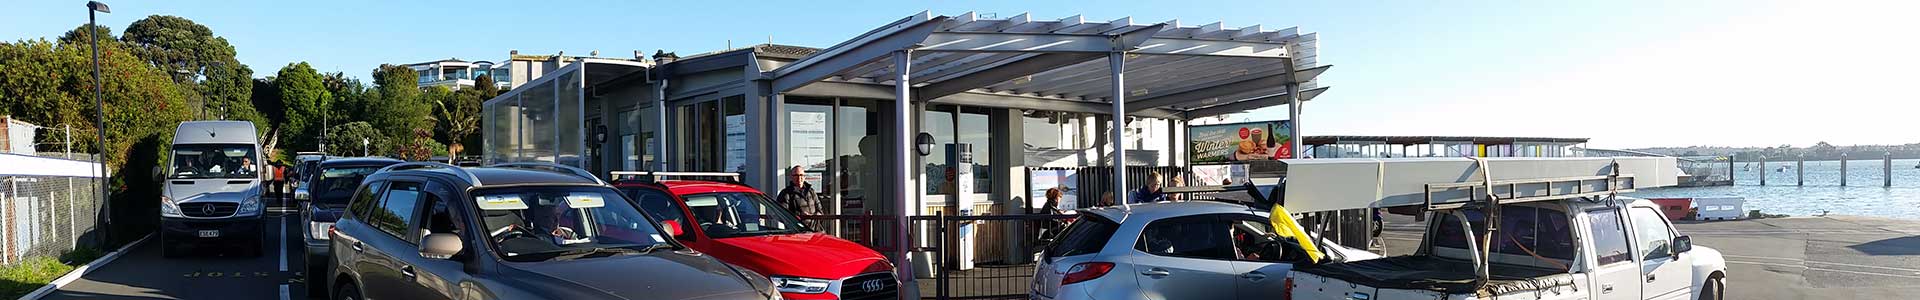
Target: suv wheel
347, 292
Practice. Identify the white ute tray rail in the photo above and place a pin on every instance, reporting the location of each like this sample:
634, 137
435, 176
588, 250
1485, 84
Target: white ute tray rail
1447, 182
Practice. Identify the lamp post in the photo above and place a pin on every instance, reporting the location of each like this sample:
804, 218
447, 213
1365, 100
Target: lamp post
100, 120
363, 147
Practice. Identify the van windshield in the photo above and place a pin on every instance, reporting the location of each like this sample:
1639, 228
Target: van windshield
198, 161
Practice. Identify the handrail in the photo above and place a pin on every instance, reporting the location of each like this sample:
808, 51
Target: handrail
456, 170
553, 166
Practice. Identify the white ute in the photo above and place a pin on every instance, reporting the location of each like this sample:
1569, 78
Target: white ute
1557, 232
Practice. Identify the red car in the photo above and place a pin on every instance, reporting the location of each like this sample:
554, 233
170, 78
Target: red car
741, 226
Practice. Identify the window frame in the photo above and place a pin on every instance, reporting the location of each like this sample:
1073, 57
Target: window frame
1221, 220
365, 198
409, 232
679, 206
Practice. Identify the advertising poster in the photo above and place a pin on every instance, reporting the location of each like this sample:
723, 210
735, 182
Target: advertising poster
808, 141
1249, 141
1046, 179
736, 135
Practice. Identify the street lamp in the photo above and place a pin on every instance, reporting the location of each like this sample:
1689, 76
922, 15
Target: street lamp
100, 120
363, 147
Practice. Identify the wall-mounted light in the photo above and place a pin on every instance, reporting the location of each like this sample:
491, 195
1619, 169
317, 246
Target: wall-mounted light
924, 143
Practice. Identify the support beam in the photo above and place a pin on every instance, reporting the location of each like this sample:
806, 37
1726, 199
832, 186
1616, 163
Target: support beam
902, 190
1117, 62
869, 47
1258, 102
1222, 90
1002, 73
1294, 139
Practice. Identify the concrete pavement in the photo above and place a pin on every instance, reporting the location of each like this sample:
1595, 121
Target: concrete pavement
142, 273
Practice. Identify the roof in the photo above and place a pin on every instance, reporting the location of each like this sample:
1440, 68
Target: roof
1420, 140
1167, 66
215, 132
359, 161
1163, 210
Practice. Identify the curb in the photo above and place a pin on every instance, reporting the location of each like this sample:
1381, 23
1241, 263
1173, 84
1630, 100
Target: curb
82, 271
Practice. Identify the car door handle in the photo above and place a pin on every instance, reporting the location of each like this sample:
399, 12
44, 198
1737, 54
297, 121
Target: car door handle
407, 271
1157, 272
1254, 276
357, 248
1650, 278
1606, 288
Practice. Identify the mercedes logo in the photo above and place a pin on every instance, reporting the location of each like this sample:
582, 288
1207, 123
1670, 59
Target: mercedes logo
206, 210
873, 285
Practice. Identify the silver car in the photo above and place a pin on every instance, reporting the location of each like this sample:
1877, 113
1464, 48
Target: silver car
1173, 250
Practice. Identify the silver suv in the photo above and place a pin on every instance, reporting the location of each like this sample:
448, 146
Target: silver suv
1171, 250
516, 231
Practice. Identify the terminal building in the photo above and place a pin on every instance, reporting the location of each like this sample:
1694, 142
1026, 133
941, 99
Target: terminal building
870, 119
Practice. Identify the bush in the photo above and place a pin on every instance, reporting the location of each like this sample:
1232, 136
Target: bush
23, 277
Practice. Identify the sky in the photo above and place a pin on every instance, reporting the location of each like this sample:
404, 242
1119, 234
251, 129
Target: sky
1624, 73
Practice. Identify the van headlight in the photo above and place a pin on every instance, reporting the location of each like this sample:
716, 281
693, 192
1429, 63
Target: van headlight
248, 208
168, 209
800, 285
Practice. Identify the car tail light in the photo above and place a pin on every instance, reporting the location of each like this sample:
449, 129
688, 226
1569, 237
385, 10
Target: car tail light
1287, 293
1086, 271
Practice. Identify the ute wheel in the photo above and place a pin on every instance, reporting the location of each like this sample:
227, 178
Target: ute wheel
346, 292
1713, 289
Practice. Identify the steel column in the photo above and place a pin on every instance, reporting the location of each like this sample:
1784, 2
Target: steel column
660, 119
1117, 63
1293, 117
902, 158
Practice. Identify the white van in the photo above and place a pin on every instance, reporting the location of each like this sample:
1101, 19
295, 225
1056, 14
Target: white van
211, 190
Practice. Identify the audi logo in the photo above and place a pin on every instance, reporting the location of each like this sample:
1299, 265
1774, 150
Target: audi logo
873, 285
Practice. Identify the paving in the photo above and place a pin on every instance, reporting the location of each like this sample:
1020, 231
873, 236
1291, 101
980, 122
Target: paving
142, 273
1830, 257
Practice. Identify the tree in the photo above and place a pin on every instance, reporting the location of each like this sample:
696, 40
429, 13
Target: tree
170, 42
401, 108
485, 87
459, 117
52, 85
78, 36
306, 102
346, 139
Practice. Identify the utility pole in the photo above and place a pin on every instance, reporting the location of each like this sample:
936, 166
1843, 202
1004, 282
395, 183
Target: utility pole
100, 120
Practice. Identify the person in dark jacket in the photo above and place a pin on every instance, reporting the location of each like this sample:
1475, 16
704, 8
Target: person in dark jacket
798, 197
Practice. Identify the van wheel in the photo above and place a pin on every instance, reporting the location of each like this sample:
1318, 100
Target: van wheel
1713, 289
347, 292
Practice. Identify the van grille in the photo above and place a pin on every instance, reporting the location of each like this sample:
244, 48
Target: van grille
208, 209
870, 286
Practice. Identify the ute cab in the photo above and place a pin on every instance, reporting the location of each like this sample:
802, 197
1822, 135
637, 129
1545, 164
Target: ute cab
738, 224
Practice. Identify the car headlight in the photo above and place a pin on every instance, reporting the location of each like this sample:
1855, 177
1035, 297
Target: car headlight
318, 230
800, 284
249, 207
168, 209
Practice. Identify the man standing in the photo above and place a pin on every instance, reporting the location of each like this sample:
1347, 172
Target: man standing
798, 197
1149, 193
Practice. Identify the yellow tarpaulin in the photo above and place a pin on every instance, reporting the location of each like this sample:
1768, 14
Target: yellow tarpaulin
1284, 226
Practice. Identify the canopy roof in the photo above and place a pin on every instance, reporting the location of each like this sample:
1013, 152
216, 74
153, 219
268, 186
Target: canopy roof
1421, 140
1191, 71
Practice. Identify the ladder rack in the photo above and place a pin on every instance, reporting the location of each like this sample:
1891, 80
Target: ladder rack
1456, 195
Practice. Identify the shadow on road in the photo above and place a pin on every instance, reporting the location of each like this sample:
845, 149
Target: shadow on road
1907, 245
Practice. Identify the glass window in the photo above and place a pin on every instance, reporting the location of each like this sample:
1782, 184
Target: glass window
202, 161
567, 148
396, 211
976, 129
1609, 237
705, 131
536, 132
856, 152
807, 140
937, 121
735, 113
1651, 230
1255, 241
363, 200
662, 208
629, 130
1051, 130
336, 185
439, 218
1524, 231
1202, 237
1085, 236
724, 215
563, 223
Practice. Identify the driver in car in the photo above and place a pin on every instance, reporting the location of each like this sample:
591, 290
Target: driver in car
553, 220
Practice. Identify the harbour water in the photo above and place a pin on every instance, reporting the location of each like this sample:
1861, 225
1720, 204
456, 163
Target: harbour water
1864, 194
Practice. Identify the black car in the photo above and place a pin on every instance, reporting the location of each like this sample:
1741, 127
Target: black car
325, 196
516, 231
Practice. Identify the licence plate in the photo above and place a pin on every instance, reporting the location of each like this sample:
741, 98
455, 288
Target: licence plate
209, 233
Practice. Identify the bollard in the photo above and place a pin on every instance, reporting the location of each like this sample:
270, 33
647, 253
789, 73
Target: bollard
1763, 170
1800, 170
1843, 169
1887, 165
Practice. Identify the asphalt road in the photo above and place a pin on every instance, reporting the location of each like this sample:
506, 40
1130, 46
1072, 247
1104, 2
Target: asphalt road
142, 273
1833, 257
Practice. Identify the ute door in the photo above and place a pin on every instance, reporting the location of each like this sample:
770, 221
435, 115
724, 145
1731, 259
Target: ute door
1186, 258
1668, 275
1615, 274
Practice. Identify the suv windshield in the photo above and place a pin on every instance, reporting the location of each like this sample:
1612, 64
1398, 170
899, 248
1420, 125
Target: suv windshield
197, 161
335, 185
549, 223
724, 215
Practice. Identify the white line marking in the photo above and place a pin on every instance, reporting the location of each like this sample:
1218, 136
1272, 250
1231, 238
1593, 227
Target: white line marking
283, 248
1916, 271
285, 293
1821, 269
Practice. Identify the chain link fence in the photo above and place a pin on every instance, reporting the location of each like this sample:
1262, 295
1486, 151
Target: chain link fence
47, 215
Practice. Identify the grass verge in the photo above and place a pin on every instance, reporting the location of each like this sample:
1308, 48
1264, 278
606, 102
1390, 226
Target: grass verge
27, 275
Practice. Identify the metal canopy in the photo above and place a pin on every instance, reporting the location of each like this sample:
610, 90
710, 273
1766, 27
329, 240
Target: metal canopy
1190, 71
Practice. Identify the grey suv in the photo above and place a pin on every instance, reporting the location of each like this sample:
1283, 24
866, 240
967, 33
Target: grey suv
514, 231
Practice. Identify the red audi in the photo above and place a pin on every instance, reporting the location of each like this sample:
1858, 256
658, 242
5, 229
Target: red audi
741, 226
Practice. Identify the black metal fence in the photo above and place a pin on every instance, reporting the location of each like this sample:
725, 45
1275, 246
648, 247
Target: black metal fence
1001, 256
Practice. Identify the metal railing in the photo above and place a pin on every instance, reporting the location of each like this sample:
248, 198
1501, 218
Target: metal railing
47, 216
1001, 259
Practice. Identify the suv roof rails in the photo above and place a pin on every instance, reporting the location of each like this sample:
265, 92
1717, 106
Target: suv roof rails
645, 176
456, 171
552, 167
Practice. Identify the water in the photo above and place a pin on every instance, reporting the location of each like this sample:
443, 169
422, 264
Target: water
1864, 194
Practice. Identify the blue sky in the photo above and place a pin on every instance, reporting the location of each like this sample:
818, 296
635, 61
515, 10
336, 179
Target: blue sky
1626, 73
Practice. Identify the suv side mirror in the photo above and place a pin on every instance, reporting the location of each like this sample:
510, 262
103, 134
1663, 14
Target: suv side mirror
440, 246
1682, 244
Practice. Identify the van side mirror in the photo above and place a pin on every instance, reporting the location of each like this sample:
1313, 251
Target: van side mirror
301, 194
440, 246
1682, 244
159, 173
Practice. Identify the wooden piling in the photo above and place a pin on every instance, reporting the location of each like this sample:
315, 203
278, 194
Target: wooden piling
1843, 169
1763, 170
1800, 170
1887, 165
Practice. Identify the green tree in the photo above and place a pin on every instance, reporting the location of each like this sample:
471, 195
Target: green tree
306, 101
346, 139
78, 36
459, 117
485, 87
52, 85
171, 42
401, 107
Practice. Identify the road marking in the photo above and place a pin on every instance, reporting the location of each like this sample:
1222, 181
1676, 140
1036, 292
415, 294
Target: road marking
284, 293
1915, 271
1821, 269
283, 243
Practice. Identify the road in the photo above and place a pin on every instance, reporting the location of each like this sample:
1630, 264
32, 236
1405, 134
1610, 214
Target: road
142, 273
1832, 257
